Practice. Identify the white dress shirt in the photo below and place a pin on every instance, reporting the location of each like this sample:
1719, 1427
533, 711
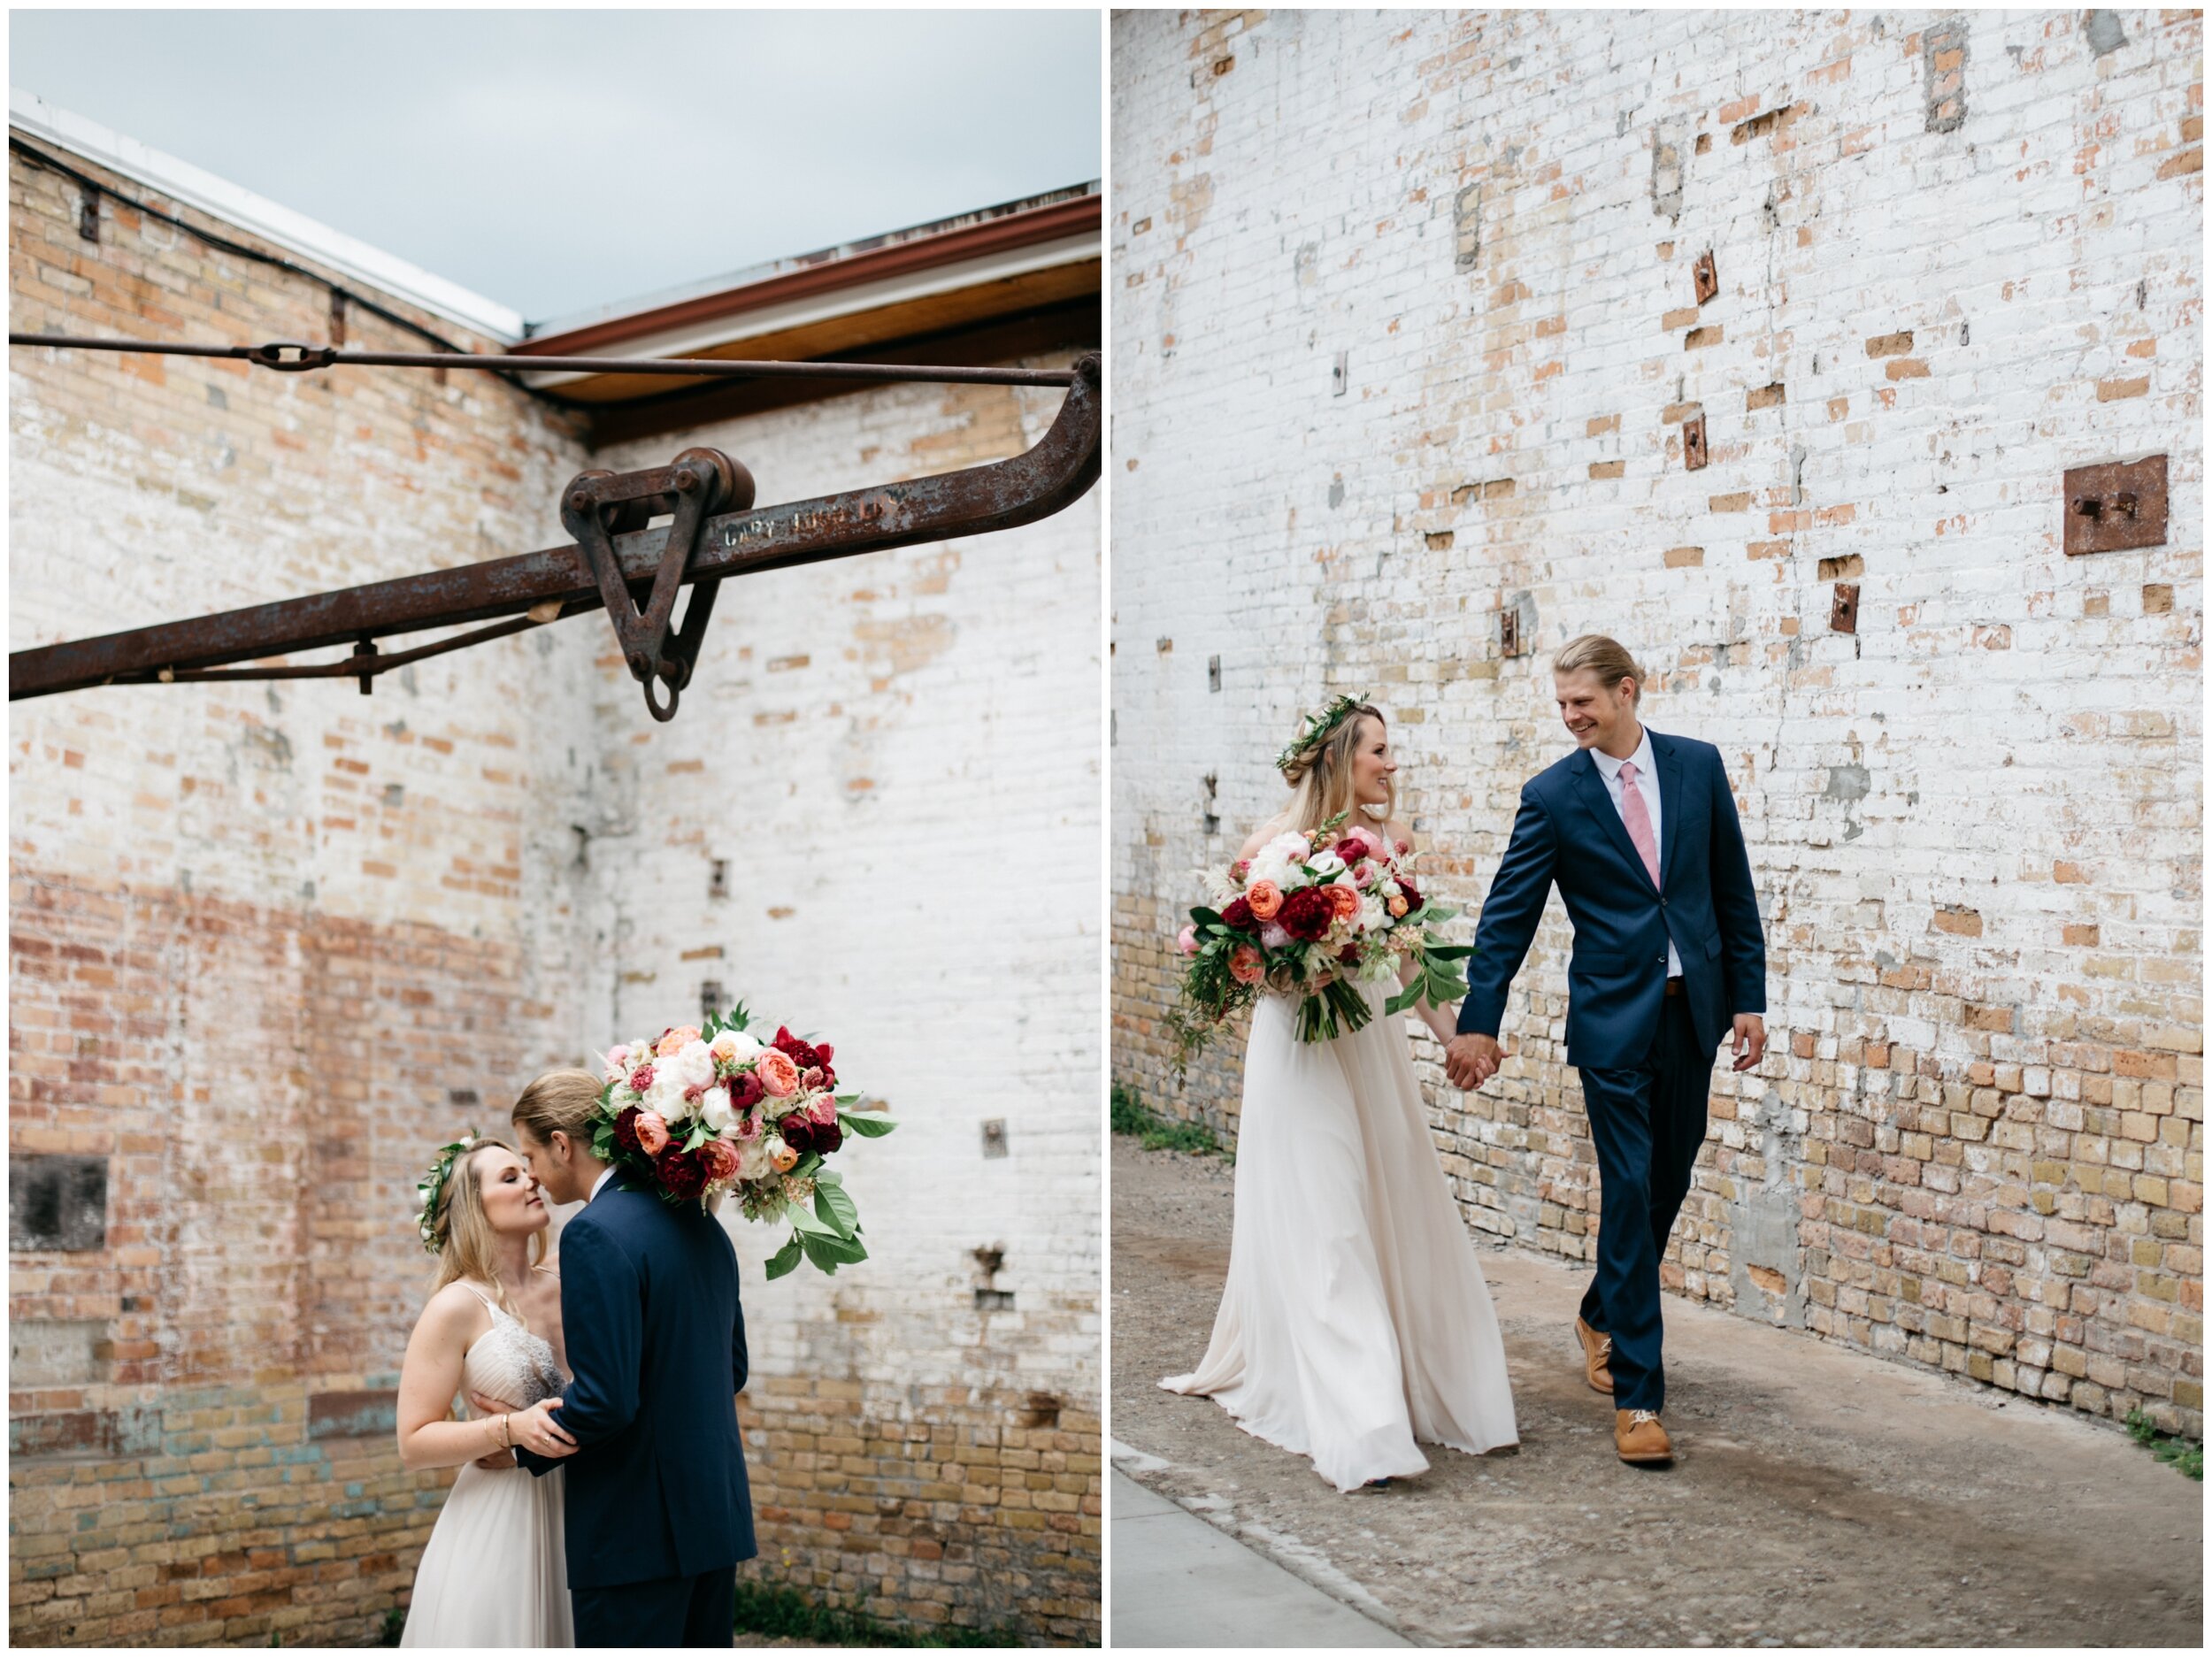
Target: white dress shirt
1647, 786
605, 1174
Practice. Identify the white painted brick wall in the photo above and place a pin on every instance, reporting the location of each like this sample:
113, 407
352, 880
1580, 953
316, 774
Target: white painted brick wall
896, 754
2010, 731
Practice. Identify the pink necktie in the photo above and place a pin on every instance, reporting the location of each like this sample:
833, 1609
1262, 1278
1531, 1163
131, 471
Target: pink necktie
1634, 814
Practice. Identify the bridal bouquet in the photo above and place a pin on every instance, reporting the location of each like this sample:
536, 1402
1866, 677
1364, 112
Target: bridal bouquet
1312, 914
700, 1111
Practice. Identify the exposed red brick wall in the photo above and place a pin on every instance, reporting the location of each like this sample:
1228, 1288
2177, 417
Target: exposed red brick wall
980, 1511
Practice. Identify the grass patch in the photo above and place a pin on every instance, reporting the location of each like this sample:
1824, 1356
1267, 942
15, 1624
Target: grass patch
2185, 1458
781, 1613
1128, 1113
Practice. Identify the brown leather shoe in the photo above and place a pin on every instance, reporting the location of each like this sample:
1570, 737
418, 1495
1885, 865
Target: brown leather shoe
1638, 1436
1597, 1356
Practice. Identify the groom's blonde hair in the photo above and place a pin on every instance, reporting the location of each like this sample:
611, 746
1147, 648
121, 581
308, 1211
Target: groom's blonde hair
1321, 777
559, 1099
1602, 656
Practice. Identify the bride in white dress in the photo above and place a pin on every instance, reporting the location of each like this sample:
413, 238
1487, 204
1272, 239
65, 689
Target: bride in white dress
494, 1572
1355, 1320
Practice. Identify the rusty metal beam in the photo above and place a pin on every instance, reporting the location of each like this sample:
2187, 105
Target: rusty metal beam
1057, 471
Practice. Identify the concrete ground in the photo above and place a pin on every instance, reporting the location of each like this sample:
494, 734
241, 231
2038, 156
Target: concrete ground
1821, 1498
1193, 1586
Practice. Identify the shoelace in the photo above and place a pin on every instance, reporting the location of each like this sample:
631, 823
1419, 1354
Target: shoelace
1638, 1417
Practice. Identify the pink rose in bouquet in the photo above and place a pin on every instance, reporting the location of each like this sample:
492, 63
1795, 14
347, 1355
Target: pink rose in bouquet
778, 1074
721, 1158
652, 1133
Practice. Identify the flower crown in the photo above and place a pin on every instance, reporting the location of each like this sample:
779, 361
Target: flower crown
1318, 728
432, 1184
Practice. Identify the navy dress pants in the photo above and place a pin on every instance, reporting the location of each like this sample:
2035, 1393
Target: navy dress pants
1647, 1121
699, 1610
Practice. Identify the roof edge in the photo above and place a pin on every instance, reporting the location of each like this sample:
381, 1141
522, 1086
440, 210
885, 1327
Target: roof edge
294, 232
970, 235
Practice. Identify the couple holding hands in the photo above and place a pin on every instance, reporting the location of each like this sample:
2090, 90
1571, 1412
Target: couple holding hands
1355, 1321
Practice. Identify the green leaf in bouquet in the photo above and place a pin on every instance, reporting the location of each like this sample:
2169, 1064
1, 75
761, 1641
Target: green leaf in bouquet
835, 1208
785, 1259
868, 1127
829, 1252
803, 1219
1405, 997
737, 1018
805, 1167
1205, 917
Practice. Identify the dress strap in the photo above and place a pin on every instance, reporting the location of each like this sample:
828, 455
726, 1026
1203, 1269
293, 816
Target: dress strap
490, 1304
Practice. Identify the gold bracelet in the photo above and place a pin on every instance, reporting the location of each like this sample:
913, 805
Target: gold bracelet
507, 1431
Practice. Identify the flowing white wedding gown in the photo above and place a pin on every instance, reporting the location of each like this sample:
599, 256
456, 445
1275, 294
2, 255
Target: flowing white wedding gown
1355, 1320
494, 1572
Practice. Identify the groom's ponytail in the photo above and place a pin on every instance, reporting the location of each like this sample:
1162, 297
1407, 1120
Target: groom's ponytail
561, 1100
1602, 656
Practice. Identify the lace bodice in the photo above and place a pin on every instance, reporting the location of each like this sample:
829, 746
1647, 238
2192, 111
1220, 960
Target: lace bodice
508, 1362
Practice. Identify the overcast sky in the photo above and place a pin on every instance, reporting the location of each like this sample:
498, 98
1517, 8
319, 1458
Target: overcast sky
557, 161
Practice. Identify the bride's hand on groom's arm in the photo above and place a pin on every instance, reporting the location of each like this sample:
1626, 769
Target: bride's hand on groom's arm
499, 1461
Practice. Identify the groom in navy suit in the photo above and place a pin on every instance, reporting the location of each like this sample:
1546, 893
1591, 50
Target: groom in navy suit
658, 1513
1639, 832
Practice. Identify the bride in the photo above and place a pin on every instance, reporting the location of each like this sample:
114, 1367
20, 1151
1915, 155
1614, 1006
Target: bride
494, 1572
1355, 1320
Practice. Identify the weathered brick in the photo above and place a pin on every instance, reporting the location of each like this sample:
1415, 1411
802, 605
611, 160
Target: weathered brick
1963, 934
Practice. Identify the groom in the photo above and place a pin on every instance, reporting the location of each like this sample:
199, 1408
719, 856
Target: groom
1639, 832
658, 1510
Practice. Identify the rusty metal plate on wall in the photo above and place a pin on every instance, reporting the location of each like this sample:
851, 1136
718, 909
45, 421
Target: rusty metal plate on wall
1843, 613
1693, 443
1508, 633
1705, 277
2114, 506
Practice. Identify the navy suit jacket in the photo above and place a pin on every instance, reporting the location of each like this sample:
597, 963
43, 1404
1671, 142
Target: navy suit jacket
656, 1487
1569, 835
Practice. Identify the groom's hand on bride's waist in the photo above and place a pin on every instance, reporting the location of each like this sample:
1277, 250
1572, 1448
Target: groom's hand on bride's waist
1471, 1060
533, 1429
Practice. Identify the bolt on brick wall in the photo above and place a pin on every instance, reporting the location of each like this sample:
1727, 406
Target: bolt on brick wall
271, 943
1409, 344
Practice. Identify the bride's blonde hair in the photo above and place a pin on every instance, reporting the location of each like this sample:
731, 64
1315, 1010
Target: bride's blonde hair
468, 1247
1320, 776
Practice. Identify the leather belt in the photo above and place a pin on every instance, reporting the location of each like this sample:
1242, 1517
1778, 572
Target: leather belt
1674, 986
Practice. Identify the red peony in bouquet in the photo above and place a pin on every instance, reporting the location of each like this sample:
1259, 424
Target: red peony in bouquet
703, 1110
1314, 913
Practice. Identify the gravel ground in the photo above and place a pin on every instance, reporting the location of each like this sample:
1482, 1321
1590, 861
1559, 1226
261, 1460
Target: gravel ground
1820, 1497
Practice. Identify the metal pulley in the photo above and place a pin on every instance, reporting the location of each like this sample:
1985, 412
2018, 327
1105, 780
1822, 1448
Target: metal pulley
619, 561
